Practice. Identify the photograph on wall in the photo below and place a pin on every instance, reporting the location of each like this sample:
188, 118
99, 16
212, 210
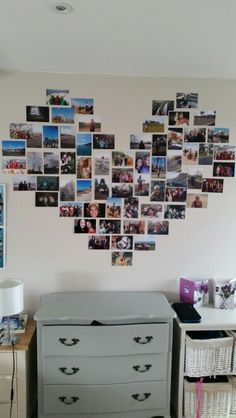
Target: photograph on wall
67, 190
122, 175
50, 136
176, 194
186, 100
113, 207
122, 190
122, 258
84, 144
158, 228
121, 242
24, 183
20, 130
63, 115
157, 191
194, 178
2, 204
2, 247
35, 139
82, 106
108, 226
176, 179
190, 154
67, 136
205, 154
223, 169
175, 138
179, 118
159, 145
101, 164
154, 124
122, 159
158, 167
134, 227
13, 166
174, 161
142, 141
103, 141
99, 242
89, 124
13, 148
102, 187
67, 162
211, 185
51, 162
198, 201
142, 162
84, 168
131, 206
141, 185
220, 135
84, 190
205, 118
144, 243
46, 199
34, 162
151, 210
37, 113
94, 210
162, 107
47, 183
57, 97
85, 226
174, 212
194, 134
224, 152
70, 210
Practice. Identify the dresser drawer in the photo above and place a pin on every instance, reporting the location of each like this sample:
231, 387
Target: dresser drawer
151, 413
6, 364
5, 389
103, 370
5, 410
105, 340
104, 398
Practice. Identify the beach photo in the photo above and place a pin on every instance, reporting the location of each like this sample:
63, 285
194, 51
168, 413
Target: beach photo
84, 190
84, 144
89, 124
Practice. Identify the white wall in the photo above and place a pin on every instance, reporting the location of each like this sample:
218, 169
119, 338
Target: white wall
41, 247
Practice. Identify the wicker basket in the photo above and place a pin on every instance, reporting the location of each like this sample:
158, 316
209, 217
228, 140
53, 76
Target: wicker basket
232, 380
233, 334
215, 400
208, 357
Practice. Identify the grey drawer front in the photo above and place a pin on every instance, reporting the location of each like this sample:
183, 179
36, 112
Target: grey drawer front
153, 413
71, 399
105, 340
104, 370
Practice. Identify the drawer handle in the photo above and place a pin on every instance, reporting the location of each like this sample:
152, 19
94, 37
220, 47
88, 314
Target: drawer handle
140, 340
70, 401
141, 369
74, 370
74, 341
142, 397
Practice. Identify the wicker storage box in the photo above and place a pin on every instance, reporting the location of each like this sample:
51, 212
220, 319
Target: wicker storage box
208, 356
232, 380
215, 398
233, 334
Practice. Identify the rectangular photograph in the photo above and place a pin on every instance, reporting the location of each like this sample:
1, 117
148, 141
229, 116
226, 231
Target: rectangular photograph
101, 164
102, 188
224, 152
131, 207
37, 113
190, 154
70, 210
144, 243
175, 138
122, 190
84, 144
84, 190
67, 136
51, 163
186, 100
158, 228
174, 161
13, 148
134, 227
198, 201
151, 210
85, 226
34, 162
176, 179
2, 204
179, 118
35, 139
50, 136
46, 199
159, 145
174, 211
63, 115
21, 130
14, 166
103, 141
24, 183
154, 124
122, 159
142, 162
82, 106
57, 97
205, 118
99, 242
211, 185
109, 226
122, 242
223, 169
94, 210
122, 175
89, 124
47, 183
205, 154
67, 162
113, 207
122, 258
158, 167
176, 194
142, 141
162, 107
141, 185
67, 190
84, 167
2, 247
157, 191
220, 135
194, 134
194, 178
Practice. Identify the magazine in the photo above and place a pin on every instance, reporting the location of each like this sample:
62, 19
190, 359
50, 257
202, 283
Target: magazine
17, 323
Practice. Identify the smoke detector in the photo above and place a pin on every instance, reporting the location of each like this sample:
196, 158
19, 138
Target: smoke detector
63, 8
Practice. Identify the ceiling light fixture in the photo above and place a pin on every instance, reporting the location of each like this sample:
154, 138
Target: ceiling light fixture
63, 8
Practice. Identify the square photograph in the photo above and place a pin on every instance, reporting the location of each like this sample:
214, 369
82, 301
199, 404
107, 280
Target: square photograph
113, 207
84, 167
102, 187
223, 169
67, 136
103, 141
158, 228
186, 100
159, 145
190, 154
46, 199
131, 206
198, 201
63, 115
82, 106
194, 178
157, 191
70, 210
21, 130
154, 124
216, 135
142, 162
13, 148
57, 97
134, 227
67, 162
51, 163
122, 190
14, 166
224, 152
179, 118
174, 161
108, 226
122, 175
84, 144
84, 190
194, 134
50, 136
24, 183
205, 118
211, 185
99, 242
85, 226
175, 138
158, 167
122, 242
205, 154
141, 185
122, 159
174, 212
94, 210
151, 210
34, 162
122, 258
89, 124
142, 141
101, 164
162, 107
67, 190
145, 243
47, 183
37, 113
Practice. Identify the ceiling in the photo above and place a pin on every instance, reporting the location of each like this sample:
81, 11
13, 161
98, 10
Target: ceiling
192, 38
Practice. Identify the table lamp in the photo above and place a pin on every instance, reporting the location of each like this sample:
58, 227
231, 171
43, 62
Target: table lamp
11, 303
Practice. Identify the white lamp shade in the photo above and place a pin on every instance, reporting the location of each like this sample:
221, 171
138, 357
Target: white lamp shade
11, 297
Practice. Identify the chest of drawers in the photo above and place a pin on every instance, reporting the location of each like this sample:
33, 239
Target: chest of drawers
104, 354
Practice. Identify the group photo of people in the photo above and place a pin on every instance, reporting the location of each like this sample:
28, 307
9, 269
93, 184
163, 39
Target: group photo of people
99, 242
70, 210
223, 169
176, 194
174, 212
158, 228
194, 134
131, 206
122, 175
210, 185
109, 226
224, 152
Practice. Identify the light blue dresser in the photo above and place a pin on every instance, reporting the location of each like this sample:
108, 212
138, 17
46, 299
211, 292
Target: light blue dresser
104, 355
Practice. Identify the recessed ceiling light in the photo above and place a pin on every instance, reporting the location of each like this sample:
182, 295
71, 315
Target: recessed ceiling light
63, 8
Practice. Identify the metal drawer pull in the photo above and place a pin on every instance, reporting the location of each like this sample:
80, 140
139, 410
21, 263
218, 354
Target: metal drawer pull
145, 368
74, 341
141, 340
73, 370
70, 401
142, 397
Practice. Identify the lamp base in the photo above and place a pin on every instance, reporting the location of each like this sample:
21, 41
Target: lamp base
8, 340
